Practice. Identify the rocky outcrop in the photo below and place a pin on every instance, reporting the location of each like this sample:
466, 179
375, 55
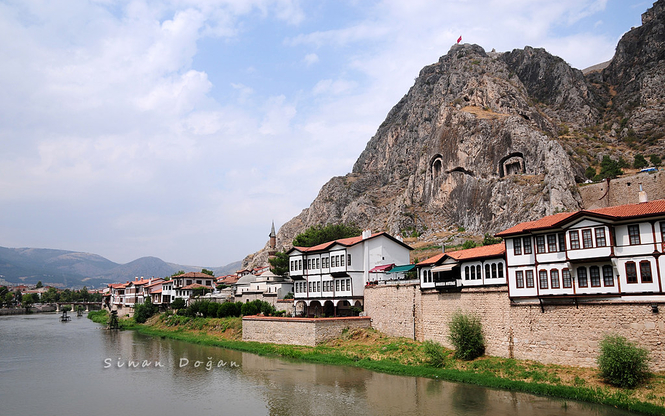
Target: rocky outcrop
483, 141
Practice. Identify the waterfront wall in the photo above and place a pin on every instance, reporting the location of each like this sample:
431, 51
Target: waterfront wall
298, 331
565, 334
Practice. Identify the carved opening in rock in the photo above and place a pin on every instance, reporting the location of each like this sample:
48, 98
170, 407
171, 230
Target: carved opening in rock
513, 164
436, 165
462, 170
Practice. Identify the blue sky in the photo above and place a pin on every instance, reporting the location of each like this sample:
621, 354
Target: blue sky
180, 129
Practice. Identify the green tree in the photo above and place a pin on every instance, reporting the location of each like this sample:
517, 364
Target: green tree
590, 172
85, 295
640, 162
466, 334
51, 295
9, 299
655, 160
39, 285
488, 240
622, 363
318, 234
178, 273
28, 300
179, 303
208, 272
143, 311
279, 264
469, 244
609, 168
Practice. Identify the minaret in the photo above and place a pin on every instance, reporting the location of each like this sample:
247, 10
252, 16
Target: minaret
272, 245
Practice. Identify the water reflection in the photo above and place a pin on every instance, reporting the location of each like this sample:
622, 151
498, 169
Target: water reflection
52, 368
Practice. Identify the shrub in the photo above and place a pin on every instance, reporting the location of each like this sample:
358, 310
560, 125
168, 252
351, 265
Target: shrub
640, 162
469, 244
621, 362
144, 310
436, 355
466, 334
179, 303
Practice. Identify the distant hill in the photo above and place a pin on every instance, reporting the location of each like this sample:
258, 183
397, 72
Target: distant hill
63, 268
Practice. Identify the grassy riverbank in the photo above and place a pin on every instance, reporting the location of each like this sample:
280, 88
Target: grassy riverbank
375, 351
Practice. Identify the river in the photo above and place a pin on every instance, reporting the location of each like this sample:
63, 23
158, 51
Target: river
48, 367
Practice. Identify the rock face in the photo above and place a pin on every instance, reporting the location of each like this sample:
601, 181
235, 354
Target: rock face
483, 140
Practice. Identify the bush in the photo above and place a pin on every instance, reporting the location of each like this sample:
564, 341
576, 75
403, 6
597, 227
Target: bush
621, 362
144, 310
436, 355
466, 334
179, 303
640, 162
257, 306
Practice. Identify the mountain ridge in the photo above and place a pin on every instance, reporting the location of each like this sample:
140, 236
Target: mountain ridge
484, 140
63, 268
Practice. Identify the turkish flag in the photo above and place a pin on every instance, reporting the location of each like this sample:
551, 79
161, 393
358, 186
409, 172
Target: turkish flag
459, 39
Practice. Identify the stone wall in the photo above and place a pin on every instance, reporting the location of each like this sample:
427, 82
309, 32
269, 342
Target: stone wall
565, 334
623, 190
298, 331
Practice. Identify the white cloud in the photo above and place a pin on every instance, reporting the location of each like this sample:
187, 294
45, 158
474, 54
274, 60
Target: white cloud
310, 59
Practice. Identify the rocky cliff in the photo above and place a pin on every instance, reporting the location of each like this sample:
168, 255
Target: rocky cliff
483, 141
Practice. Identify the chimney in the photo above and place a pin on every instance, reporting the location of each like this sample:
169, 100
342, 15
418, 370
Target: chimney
443, 248
366, 234
642, 196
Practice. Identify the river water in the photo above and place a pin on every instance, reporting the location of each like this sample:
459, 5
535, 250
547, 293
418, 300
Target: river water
77, 368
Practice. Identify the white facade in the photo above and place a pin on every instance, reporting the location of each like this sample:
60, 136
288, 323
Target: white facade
609, 252
330, 278
480, 266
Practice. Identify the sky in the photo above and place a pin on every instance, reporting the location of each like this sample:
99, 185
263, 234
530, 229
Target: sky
181, 129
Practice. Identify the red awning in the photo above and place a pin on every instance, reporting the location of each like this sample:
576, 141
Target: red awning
382, 269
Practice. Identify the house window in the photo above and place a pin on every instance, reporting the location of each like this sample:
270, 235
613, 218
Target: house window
318, 286
645, 271
317, 263
487, 271
517, 246
562, 242
542, 278
567, 280
662, 232
466, 273
574, 239
341, 259
608, 276
309, 264
587, 241
519, 279
473, 273
299, 264
493, 270
337, 285
348, 284
540, 244
348, 260
554, 278
478, 269
529, 278
631, 272
551, 243
500, 270
527, 245
634, 234
582, 277
600, 237
594, 276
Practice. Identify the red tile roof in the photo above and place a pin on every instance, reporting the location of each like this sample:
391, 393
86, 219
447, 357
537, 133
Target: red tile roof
347, 242
195, 274
194, 286
493, 250
619, 212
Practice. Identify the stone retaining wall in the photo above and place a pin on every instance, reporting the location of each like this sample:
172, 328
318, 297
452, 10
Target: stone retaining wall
562, 334
298, 331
